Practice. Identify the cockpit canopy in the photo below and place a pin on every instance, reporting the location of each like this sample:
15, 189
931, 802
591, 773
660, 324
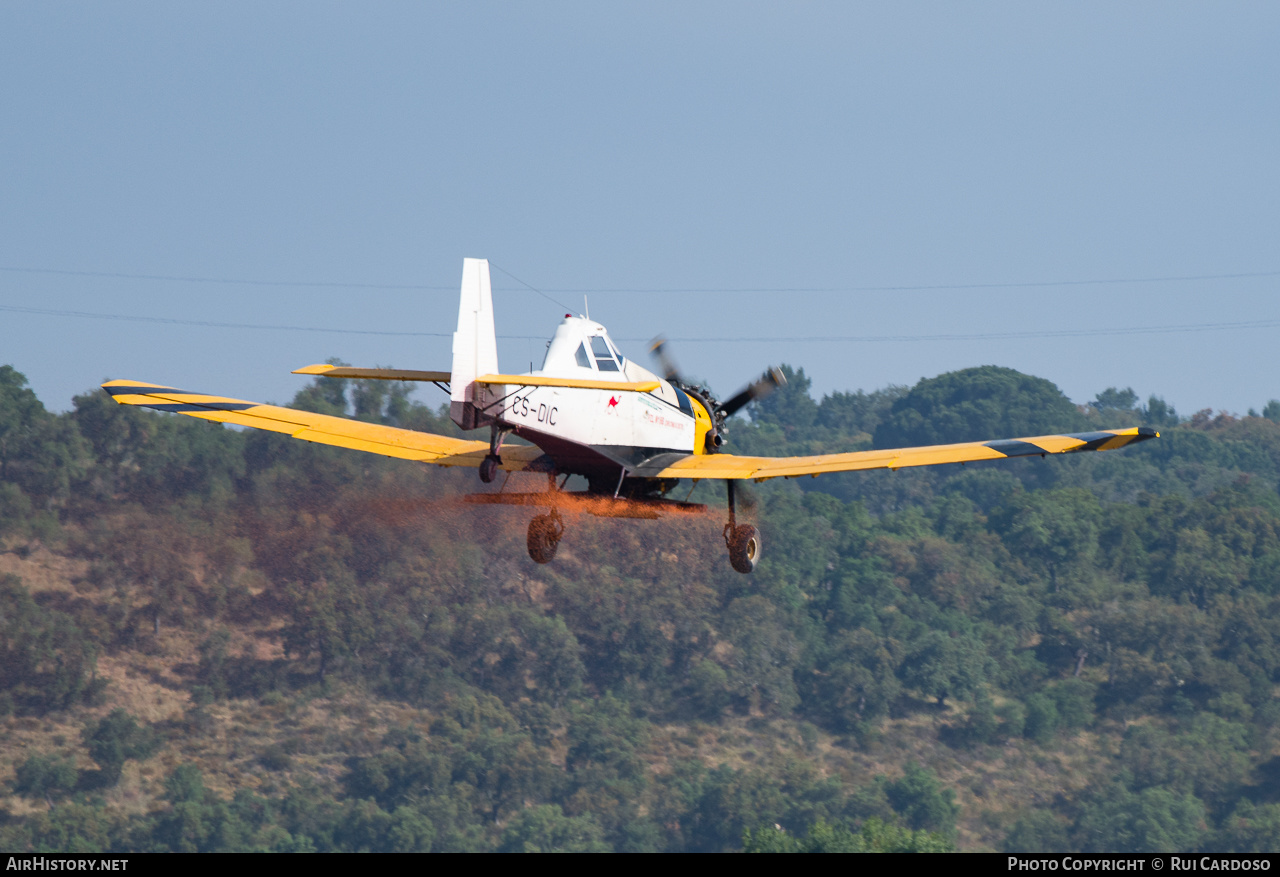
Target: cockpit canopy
580, 343
582, 348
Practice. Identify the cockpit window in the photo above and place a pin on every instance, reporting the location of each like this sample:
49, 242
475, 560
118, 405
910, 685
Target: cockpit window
581, 356
604, 356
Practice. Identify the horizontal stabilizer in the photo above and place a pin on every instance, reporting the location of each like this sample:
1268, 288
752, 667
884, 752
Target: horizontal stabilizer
376, 374
534, 381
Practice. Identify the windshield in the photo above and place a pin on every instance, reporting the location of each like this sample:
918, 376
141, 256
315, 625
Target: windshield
604, 356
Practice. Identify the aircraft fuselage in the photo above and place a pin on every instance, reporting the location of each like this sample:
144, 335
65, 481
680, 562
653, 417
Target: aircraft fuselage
595, 432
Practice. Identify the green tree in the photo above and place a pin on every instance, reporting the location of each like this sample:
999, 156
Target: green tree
922, 801
545, 828
1250, 828
78, 828
875, 836
1208, 757
1055, 530
366, 828
1157, 412
1040, 831
605, 759
764, 654
852, 414
39, 452
856, 682
790, 406
154, 563
977, 404
44, 777
116, 739
1115, 401
1150, 821
723, 803
942, 665
46, 660
152, 458
708, 689
192, 822
384, 402
16, 512
1202, 565
328, 622
513, 651
982, 724
1042, 718
1074, 699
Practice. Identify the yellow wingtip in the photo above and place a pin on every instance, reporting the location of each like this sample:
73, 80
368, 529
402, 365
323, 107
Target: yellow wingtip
147, 384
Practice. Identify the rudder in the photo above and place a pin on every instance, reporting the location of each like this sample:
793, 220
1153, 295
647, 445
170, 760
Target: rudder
475, 344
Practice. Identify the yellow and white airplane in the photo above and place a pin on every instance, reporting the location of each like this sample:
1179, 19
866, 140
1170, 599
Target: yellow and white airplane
588, 411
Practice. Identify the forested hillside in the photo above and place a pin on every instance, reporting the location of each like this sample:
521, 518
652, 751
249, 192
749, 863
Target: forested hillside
222, 640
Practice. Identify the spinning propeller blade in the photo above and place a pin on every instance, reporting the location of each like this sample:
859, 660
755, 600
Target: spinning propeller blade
658, 347
768, 382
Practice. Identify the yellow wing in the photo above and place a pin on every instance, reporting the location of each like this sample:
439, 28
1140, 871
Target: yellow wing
400, 374
388, 441
729, 466
377, 374
443, 378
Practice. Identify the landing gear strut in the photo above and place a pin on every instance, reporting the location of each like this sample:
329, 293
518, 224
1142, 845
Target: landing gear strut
489, 465
544, 535
743, 540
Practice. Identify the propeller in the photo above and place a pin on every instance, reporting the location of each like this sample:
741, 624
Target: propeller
658, 347
772, 379
720, 412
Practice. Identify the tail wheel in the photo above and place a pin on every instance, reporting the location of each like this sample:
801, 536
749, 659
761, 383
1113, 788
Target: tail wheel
744, 548
489, 468
544, 535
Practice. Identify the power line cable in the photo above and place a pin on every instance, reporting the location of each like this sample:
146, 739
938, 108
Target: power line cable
1033, 284
940, 286
534, 288
863, 339
229, 281
217, 325
995, 336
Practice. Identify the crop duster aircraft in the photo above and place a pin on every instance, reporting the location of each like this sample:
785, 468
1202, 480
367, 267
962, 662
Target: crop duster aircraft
588, 411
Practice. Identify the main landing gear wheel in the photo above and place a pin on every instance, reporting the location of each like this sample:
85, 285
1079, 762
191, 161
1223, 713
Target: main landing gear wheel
544, 535
744, 548
489, 468
743, 540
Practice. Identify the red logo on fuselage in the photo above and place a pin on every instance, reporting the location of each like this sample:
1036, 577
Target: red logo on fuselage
613, 402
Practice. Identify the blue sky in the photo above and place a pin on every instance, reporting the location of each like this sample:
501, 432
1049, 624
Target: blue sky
699, 152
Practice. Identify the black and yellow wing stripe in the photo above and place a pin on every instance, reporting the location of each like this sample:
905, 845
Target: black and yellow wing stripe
728, 466
388, 441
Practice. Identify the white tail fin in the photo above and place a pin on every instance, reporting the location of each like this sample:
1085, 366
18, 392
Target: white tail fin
475, 344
